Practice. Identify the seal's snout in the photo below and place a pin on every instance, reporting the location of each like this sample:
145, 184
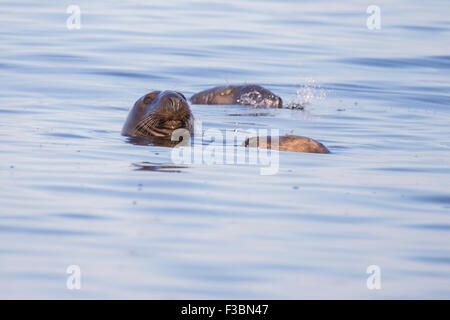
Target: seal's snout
174, 101
173, 124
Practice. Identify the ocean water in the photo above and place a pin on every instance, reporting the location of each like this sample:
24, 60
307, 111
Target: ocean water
74, 191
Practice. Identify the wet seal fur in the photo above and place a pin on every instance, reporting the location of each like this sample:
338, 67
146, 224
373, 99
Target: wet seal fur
246, 94
158, 114
288, 143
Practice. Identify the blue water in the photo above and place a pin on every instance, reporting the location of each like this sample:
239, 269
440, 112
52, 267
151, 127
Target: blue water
74, 191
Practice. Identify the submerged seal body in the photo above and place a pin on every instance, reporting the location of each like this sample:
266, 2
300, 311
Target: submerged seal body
158, 114
253, 95
289, 143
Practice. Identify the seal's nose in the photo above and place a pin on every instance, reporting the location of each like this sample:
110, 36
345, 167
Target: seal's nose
174, 101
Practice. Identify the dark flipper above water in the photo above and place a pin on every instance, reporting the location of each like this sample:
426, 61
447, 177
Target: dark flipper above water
252, 95
289, 143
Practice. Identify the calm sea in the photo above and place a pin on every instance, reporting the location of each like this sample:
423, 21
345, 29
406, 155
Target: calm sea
74, 192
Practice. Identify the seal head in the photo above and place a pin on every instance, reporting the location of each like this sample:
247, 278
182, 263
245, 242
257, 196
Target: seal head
288, 143
158, 114
258, 96
252, 95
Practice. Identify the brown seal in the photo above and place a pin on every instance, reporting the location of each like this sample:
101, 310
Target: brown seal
158, 114
253, 95
289, 143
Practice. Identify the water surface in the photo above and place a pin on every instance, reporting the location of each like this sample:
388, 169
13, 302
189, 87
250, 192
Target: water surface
76, 192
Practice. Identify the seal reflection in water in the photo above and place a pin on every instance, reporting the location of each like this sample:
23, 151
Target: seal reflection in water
287, 143
156, 115
253, 95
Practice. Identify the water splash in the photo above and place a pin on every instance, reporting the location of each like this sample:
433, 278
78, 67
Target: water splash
310, 92
256, 99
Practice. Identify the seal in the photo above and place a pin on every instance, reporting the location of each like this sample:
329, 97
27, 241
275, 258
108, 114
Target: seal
253, 95
288, 143
158, 114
